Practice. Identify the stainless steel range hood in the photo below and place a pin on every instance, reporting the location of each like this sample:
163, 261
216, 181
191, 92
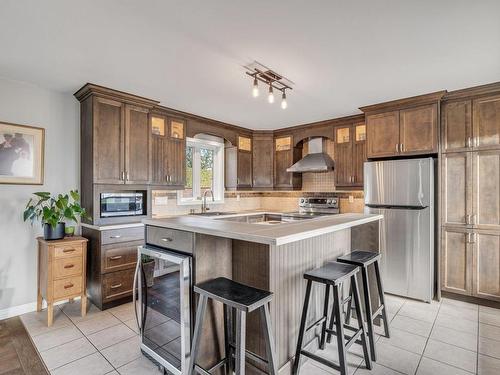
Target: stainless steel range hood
315, 161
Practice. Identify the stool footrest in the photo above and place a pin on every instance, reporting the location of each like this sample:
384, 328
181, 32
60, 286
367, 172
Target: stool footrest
317, 322
350, 339
321, 360
378, 312
254, 357
348, 299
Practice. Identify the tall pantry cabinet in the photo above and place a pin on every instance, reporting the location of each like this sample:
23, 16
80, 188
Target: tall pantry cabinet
470, 191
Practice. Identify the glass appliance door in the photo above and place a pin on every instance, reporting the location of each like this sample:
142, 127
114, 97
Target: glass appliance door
165, 307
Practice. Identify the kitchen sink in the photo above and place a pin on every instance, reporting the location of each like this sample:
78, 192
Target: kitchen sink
213, 213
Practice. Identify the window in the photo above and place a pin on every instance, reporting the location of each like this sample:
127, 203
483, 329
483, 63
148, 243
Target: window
204, 170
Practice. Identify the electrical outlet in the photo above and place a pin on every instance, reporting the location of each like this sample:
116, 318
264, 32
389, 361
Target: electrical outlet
351, 199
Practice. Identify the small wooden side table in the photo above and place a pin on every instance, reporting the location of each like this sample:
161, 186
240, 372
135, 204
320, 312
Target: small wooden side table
61, 272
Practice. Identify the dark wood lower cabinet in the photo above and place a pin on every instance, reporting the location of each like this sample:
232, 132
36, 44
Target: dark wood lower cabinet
111, 264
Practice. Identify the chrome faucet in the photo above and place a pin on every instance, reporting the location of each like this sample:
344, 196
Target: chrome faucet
204, 207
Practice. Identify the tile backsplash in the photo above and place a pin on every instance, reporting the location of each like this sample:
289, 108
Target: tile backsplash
165, 202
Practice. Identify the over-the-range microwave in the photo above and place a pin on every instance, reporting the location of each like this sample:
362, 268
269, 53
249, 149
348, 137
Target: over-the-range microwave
123, 203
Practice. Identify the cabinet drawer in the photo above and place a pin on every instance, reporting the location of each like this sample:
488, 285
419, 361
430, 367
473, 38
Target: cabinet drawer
64, 267
122, 235
117, 284
68, 250
121, 256
67, 287
170, 238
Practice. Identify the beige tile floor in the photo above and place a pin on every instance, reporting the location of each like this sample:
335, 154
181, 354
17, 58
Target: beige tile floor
447, 338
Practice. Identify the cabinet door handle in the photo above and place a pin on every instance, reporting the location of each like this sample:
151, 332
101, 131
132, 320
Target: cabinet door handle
117, 236
69, 266
401, 148
116, 257
167, 239
115, 286
468, 238
467, 219
397, 147
122, 178
476, 141
68, 250
67, 286
469, 142
127, 176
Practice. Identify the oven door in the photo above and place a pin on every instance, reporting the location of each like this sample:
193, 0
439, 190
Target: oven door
164, 289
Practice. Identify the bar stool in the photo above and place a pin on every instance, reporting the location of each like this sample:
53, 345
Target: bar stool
332, 274
240, 299
363, 259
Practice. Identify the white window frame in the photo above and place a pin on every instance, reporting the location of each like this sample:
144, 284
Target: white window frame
218, 172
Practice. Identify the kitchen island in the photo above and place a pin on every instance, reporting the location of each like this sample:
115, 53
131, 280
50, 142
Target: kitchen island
270, 255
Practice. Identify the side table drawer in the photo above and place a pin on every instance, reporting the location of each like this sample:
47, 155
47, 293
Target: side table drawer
64, 267
68, 250
67, 287
117, 284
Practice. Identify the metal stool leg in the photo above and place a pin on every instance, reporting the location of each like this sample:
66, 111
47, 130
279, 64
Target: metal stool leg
332, 322
357, 306
200, 314
339, 329
368, 311
228, 338
382, 299
325, 315
265, 318
241, 318
302, 328
349, 307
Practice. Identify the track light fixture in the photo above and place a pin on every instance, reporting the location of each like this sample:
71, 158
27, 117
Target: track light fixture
270, 96
255, 89
269, 77
284, 104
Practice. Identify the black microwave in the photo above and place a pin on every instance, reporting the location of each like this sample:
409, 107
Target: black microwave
123, 203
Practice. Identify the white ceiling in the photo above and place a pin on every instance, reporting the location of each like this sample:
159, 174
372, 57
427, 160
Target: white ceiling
190, 54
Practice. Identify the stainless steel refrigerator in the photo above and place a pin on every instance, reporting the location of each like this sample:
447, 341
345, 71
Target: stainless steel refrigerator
403, 191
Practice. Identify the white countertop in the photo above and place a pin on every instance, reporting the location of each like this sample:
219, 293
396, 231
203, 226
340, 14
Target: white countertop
278, 234
112, 226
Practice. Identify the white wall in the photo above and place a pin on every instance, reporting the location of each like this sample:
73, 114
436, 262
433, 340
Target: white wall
23, 103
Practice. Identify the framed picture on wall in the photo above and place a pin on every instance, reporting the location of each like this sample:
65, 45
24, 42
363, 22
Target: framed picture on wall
21, 154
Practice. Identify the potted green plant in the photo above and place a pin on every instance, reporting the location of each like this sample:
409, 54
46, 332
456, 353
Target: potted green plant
51, 211
148, 265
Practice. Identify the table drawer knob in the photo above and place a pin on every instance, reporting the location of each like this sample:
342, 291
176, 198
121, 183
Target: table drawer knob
69, 266
115, 286
68, 250
116, 257
117, 236
67, 286
167, 239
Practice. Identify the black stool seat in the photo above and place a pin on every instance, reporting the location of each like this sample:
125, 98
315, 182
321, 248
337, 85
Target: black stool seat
359, 258
331, 273
231, 293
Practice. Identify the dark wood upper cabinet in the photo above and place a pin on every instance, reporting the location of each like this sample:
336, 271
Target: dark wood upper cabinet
418, 130
244, 162
403, 127
456, 125
137, 145
262, 160
350, 154
108, 141
486, 123
168, 151
285, 156
383, 134
238, 164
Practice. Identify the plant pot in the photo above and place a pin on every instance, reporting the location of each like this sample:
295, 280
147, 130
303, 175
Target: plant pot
56, 233
69, 231
149, 269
